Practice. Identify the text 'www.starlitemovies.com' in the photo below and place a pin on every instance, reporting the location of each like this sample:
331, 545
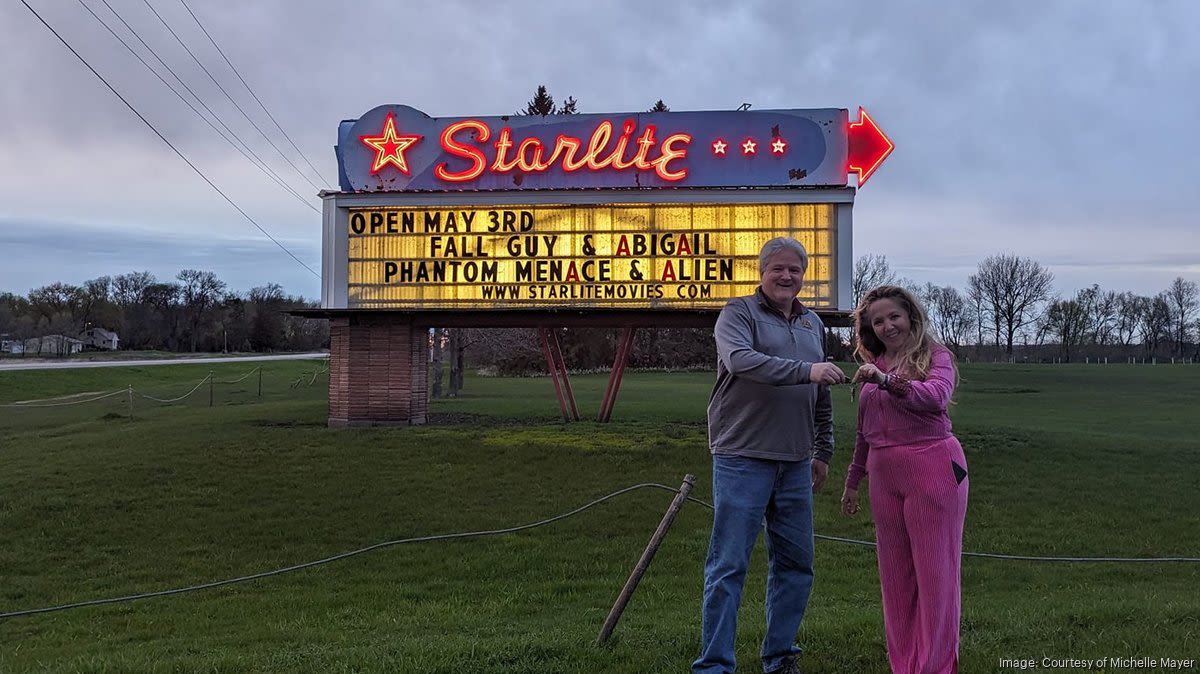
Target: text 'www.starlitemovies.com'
1117, 663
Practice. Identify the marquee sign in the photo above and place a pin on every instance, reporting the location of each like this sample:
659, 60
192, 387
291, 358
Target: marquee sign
605, 256
396, 148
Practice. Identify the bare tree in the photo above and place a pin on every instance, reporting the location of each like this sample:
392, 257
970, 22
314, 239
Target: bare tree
163, 307
1156, 323
1102, 315
457, 346
1182, 297
949, 313
1129, 311
201, 290
1067, 321
1012, 289
58, 307
266, 321
437, 347
977, 308
871, 271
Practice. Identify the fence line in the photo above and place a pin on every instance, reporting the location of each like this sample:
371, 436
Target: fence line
57, 401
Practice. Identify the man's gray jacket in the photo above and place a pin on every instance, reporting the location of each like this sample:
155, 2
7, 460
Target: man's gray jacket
763, 405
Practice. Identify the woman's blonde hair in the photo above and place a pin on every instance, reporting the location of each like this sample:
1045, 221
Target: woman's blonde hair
915, 356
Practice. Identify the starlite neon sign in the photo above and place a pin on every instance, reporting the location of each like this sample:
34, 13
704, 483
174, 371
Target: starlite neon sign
531, 155
399, 148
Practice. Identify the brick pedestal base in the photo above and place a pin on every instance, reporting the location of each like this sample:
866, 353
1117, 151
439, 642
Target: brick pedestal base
378, 374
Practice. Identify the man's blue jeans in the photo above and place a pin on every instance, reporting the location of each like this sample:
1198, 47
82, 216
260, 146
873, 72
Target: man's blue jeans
746, 491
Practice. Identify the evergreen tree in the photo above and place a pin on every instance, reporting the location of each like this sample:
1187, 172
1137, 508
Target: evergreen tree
568, 107
542, 103
660, 107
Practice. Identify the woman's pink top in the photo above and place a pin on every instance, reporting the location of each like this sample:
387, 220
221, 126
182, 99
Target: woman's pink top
912, 413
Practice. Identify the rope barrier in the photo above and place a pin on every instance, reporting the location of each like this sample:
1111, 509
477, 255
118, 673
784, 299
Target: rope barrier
44, 402
175, 400
334, 558
239, 379
992, 555
508, 530
37, 403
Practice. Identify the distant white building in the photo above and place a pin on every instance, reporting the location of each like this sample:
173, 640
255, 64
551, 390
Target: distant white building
52, 345
11, 346
99, 338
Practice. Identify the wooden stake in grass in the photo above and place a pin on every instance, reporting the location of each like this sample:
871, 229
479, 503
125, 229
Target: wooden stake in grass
639, 569
210, 388
260, 381
130, 389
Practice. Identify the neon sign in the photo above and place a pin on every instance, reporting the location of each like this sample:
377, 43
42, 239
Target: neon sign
531, 153
395, 148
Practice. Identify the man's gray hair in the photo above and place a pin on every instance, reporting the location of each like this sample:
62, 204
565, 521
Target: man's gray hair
778, 244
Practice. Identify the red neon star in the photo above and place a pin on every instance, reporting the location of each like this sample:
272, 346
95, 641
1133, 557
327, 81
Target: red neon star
719, 146
778, 146
749, 147
389, 147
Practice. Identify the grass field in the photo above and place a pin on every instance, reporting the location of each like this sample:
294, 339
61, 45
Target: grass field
1065, 461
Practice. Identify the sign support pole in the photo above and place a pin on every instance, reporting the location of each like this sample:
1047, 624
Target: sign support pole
544, 335
568, 392
624, 347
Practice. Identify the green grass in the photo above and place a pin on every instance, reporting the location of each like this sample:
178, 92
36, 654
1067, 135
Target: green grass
1065, 460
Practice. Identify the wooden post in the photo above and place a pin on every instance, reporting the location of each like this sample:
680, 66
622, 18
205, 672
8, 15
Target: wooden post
639, 570
210, 388
260, 382
130, 402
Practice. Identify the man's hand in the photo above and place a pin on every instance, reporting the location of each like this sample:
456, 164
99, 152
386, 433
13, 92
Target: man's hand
820, 471
826, 373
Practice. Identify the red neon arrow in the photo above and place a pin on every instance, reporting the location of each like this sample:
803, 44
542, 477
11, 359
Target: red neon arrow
869, 146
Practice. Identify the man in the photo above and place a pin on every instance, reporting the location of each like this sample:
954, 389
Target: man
770, 430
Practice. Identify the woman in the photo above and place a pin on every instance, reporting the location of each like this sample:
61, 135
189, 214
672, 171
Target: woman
918, 482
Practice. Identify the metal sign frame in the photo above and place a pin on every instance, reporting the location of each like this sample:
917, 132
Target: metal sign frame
338, 205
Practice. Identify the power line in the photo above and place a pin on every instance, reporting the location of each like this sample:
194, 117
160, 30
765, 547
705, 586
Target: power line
257, 161
265, 170
256, 99
235, 104
164, 139
196, 96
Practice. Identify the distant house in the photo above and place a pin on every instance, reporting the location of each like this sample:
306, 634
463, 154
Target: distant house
11, 346
99, 338
52, 345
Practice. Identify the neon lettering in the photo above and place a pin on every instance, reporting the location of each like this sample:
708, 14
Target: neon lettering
478, 161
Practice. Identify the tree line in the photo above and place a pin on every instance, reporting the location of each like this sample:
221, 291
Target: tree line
1009, 306
1007, 312
195, 311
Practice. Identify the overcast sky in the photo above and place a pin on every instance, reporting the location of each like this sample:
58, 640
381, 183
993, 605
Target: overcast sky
1061, 131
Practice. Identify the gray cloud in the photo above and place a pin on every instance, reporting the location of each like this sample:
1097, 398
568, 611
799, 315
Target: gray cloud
1062, 131
43, 252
